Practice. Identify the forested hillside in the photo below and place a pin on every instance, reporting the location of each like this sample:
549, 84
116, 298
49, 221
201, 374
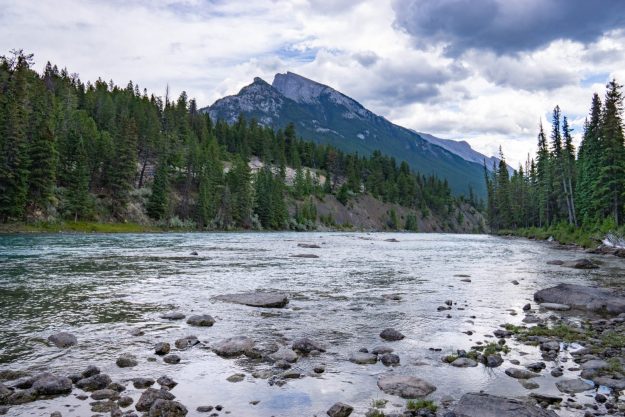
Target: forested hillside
562, 187
96, 151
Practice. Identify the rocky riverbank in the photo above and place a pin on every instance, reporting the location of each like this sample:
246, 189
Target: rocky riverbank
237, 351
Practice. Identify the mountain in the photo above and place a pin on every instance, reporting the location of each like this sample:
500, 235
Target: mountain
463, 150
324, 115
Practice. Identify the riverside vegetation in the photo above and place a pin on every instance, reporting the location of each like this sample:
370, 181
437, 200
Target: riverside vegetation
96, 152
574, 197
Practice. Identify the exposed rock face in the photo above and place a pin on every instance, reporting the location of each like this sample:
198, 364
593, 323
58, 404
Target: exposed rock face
486, 405
63, 340
405, 386
582, 297
257, 299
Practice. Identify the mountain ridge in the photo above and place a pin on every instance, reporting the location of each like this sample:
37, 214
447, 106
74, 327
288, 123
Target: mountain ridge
325, 115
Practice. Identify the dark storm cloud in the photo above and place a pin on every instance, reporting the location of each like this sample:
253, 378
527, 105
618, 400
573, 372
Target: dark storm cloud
506, 26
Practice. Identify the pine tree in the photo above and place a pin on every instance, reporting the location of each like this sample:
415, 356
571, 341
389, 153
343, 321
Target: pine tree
14, 152
589, 160
158, 201
124, 165
611, 182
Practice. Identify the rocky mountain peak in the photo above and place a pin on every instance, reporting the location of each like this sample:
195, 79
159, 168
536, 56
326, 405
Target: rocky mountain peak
297, 88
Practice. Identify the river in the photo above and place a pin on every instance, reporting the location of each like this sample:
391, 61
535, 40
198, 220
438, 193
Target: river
102, 287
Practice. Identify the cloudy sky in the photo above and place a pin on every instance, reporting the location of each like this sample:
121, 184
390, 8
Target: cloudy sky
482, 70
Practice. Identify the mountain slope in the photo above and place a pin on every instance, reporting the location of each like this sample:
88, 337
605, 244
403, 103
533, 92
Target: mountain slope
463, 150
325, 115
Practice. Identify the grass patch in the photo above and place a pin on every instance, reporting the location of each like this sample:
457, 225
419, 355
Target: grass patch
416, 405
379, 403
450, 358
80, 227
560, 331
613, 340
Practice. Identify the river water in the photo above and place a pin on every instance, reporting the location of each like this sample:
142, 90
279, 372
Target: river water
102, 287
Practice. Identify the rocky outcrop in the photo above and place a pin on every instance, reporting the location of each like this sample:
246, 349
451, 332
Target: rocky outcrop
582, 297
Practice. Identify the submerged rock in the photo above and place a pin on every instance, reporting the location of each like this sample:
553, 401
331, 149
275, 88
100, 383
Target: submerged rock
340, 410
306, 345
519, 373
256, 299
173, 315
581, 264
486, 405
391, 335
186, 342
583, 297
284, 354
389, 359
362, 358
202, 320
305, 255
405, 386
63, 340
572, 386
308, 246
171, 359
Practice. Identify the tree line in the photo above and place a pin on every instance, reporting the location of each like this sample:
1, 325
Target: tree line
561, 186
91, 151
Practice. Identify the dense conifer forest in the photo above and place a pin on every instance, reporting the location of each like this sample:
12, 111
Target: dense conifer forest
564, 188
82, 151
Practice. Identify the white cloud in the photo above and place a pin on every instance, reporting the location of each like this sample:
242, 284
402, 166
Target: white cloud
211, 48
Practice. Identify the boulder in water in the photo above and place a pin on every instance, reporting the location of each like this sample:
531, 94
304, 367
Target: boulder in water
233, 346
63, 340
340, 410
391, 335
202, 320
583, 297
256, 299
486, 405
405, 386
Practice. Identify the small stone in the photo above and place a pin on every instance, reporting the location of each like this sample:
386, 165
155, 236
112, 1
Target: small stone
94, 382
166, 381
464, 363
149, 397
391, 335
171, 359
105, 394
527, 307
167, 408
173, 315
126, 360
236, 378
204, 409
520, 373
162, 348
600, 398
141, 383
340, 410
515, 282
203, 320
186, 342
63, 340
306, 346
319, 369
125, 401
361, 358
389, 359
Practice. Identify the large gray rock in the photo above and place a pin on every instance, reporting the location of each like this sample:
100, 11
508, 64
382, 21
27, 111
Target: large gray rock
555, 306
284, 354
486, 405
405, 386
202, 320
167, 408
464, 363
572, 386
340, 410
519, 373
149, 397
63, 340
391, 335
48, 384
233, 346
362, 358
256, 299
95, 382
615, 384
582, 297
